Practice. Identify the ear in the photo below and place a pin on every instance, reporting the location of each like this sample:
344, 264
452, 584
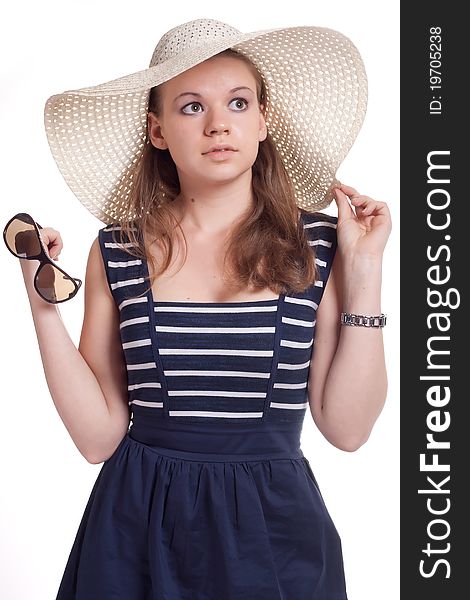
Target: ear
263, 131
155, 132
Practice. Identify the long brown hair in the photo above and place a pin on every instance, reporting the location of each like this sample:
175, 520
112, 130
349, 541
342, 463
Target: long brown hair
267, 247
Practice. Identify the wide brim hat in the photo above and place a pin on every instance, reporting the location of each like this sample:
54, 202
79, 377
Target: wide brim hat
316, 99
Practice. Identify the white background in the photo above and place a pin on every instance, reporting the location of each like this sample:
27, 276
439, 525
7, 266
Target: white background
52, 46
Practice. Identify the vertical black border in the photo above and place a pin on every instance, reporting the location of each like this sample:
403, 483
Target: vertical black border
423, 132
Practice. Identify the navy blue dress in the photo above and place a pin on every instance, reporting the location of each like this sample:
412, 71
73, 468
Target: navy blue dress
209, 496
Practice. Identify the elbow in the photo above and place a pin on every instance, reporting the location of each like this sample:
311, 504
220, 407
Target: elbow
97, 454
93, 460
102, 455
351, 444
91, 455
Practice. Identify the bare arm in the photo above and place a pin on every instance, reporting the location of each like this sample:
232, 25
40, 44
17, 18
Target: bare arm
88, 385
347, 379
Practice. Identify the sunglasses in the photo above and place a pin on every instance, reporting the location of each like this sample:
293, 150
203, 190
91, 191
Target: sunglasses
23, 240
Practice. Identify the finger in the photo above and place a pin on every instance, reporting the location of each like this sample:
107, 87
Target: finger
365, 203
374, 206
369, 207
345, 210
349, 190
357, 200
54, 250
52, 242
360, 205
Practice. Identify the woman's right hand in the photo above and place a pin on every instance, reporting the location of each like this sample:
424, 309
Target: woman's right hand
26, 242
52, 242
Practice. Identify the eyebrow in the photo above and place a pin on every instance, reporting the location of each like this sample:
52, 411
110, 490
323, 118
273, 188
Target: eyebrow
235, 89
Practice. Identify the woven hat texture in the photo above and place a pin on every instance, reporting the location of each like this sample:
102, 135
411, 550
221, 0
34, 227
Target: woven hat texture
316, 88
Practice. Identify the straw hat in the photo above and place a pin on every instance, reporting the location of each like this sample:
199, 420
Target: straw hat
316, 102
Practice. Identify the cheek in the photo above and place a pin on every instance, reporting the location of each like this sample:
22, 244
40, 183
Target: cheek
254, 137
184, 151
179, 143
178, 136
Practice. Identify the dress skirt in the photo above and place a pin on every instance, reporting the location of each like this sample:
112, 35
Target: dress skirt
170, 524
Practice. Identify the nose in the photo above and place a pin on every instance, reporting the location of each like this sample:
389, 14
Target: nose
217, 122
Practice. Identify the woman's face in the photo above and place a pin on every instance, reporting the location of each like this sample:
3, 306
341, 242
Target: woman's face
201, 108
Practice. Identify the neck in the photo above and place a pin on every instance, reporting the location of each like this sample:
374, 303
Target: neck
213, 210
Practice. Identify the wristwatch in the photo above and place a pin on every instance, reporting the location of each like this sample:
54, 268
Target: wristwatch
363, 320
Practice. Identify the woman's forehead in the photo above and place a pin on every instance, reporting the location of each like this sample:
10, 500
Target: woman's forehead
220, 72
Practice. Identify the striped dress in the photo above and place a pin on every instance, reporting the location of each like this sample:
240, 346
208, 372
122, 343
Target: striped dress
209, 495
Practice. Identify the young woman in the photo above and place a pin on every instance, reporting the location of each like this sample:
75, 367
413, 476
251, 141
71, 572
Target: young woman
217, 305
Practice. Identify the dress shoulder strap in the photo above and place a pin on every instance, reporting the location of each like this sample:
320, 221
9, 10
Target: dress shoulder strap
124, 271
321, 233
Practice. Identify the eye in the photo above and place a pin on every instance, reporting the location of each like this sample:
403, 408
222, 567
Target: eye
239, 101
191, 105
241, 104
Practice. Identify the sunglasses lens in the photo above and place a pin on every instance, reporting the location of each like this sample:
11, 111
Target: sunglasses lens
22, 239
54, 285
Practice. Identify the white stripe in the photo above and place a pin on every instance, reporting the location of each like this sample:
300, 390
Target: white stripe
290, 386
298, 322
144, 403
188, 373
214, 351
283, 405
321, 263
229, 393
137, 366
175, 329
132, 301
150, 384
319, 283
119, 284
117, 228
320, 224
215, 309
137, 343
319, 243
293, 366
133, 321
207, 413
314, 305
120, 246
126, 263
292, 344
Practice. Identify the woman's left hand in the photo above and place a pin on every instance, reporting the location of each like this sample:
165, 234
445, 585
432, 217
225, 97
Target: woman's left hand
366, 231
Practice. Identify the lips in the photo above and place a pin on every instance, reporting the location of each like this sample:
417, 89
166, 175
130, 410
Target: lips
220, 148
